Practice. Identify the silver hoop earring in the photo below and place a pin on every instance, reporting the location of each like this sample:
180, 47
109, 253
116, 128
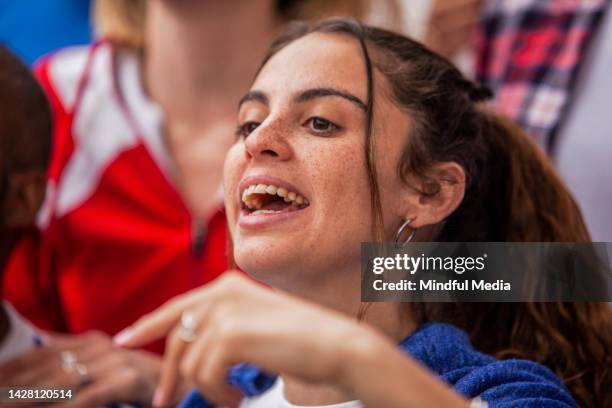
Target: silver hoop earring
401, 230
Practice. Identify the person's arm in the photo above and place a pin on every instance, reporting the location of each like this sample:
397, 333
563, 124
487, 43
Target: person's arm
238, 320
379, 374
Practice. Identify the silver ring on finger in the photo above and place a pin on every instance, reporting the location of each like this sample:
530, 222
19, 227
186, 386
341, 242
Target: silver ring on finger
70, 364
84, 377
187, 327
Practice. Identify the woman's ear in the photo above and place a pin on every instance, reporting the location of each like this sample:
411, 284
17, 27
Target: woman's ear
436, 196
26, 192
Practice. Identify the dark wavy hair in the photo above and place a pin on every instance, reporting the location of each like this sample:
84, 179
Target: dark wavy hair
512, 194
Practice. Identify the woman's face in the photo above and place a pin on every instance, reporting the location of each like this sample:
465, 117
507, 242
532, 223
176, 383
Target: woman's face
296, 187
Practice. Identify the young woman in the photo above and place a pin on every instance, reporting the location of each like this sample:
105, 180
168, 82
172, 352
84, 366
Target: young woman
342, 151
133, 216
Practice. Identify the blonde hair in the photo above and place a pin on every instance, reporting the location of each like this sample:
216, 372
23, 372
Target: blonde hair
123, 21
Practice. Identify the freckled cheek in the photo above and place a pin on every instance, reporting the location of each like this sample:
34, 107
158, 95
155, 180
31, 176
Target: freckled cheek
232, 171
340, 185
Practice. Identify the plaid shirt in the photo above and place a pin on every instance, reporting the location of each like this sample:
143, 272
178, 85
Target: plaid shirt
529, 52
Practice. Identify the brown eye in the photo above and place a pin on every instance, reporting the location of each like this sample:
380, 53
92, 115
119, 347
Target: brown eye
320, 125
246, 129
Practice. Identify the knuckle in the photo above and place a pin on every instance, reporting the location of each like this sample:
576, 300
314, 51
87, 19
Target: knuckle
218, 312
231, 280
205, 376
228, 332
131, 376
221, 316
187, 369
169, 304
96, 336
119, 359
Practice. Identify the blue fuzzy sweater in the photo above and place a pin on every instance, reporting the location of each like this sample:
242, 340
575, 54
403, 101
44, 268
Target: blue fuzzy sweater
447, 351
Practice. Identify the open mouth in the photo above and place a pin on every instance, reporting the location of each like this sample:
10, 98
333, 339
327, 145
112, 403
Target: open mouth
260, 199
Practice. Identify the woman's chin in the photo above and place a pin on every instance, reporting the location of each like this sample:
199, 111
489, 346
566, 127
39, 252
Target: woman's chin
265, 256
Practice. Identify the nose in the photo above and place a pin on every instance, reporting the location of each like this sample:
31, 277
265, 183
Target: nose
269, 141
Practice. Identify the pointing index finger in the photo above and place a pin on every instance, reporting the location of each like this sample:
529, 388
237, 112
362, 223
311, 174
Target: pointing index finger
156, 324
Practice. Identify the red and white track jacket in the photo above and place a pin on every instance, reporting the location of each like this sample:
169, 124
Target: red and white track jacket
116, 239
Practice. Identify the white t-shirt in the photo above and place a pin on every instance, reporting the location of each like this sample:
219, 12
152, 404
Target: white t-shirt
275, 398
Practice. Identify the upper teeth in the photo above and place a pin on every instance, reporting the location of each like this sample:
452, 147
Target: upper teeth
255, 202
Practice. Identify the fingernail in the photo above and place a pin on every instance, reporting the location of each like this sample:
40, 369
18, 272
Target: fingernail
122, 337
158, 398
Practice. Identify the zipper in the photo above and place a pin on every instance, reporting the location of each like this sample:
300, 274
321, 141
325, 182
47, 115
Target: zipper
198, 232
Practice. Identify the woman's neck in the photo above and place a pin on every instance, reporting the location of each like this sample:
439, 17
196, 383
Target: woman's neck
338, 287
340, 290
201, 56
199, 59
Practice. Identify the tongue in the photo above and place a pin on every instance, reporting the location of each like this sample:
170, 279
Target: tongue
276, 205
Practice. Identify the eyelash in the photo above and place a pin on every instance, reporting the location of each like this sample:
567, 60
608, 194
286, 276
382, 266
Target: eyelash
244, 129
332, 126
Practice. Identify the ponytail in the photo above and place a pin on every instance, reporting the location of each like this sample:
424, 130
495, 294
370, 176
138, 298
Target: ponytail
539, 208
525, 201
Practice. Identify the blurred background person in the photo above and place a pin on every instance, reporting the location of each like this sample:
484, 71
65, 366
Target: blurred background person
548, 63
32, 28
25, 140
446, 26
133, 216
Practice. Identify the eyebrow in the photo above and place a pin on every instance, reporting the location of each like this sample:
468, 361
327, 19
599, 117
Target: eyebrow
306, 95
323, 92
254, 96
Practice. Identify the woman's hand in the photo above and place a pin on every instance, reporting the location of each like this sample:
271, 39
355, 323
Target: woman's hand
237, 320
106, 374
